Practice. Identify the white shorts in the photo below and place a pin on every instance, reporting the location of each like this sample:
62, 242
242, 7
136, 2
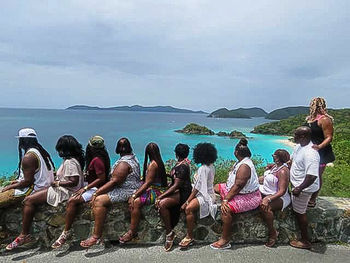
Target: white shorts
87, 195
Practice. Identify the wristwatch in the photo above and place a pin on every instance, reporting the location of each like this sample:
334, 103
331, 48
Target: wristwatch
133, 196
86, 188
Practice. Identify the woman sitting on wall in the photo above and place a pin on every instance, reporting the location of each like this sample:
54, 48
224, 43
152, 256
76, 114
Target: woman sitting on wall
239, 194
69, 179
274, 189
155, 182
97, 170
202, 197
170, 202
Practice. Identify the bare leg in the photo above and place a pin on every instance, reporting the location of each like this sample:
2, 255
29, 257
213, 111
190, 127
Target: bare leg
29, 209
315, 194
190, 211
216, 189
100, 208
226, 230
72, 206
268, 216
302, 222
164, 210
135, 216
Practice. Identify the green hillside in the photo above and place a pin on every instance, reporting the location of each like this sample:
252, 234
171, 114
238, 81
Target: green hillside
287, 112
246, 113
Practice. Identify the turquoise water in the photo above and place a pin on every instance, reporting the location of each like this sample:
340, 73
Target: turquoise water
139, 127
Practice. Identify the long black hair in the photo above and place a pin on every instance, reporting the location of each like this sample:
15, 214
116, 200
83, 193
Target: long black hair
68, 147
153, 153
92, 152
27, 143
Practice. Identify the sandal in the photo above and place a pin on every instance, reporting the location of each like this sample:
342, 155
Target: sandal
91, 241
224, 246
61, 240
127, 237
169, 241
19, 241
300, 244
272, 240
186, 242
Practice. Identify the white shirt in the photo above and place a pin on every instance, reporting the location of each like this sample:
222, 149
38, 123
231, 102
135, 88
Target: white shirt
306, 160
252, 184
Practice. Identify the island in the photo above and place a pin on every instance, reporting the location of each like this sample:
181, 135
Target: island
136, 108
194, 128
232, 135
245, 113
287, 112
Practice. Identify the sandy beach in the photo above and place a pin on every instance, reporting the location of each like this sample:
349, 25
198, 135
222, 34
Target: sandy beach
287, 142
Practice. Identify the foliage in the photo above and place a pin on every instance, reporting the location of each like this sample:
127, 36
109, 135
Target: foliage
194, 128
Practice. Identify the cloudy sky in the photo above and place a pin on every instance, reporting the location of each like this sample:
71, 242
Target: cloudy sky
191, 54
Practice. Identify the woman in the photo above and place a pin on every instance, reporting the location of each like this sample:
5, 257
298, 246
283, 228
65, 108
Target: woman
69, 179
170, 202
321, 125
274, 190
97, 169
239, 194
202, 197
124, 182
155, 182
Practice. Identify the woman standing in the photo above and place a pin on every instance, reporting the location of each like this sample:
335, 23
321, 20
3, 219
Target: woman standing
69, 179
170, 202
202, 197
274, 189
239, 194
155, 182
97, 170
321, 125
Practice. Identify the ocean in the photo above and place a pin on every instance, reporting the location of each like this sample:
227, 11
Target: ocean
140, 127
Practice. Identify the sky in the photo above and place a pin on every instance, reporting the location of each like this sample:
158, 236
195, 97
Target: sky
200, 55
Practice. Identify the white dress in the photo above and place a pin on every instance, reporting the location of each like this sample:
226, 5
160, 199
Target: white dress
203, 182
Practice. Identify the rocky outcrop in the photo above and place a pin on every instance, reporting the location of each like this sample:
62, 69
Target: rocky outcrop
329, 222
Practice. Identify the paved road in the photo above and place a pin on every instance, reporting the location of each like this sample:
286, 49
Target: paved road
239, 253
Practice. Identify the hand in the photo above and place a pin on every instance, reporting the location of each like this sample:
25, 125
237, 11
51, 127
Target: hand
316, 147
261, 180
265, 203
269, 166
296, 191
55, 184
225, 208
92, 202
79, 192
6, 188
183, 207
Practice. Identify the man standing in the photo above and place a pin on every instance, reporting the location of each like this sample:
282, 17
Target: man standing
35, 170
305, 181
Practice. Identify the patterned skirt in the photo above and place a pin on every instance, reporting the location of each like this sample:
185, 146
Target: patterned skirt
241, 202
150, 195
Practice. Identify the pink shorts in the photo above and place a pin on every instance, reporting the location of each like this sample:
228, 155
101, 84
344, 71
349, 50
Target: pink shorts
241, 202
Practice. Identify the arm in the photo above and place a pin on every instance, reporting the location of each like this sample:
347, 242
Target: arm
190, 198
309, 180
29, 165
243, 175
151, 175
327, 128
100, 171
283, 181
119, 175
177, 184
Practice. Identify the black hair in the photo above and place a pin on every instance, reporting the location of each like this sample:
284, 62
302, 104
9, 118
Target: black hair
27, 143
68, 147
242, 148
182, 150
153, 153
123, 146
92, 152
205, 153
282, 155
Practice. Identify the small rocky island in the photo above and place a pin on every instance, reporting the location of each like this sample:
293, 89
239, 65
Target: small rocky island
232, 135
194, 128
197, 129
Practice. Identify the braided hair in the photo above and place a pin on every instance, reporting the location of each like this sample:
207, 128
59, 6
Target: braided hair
318, 106
24, 144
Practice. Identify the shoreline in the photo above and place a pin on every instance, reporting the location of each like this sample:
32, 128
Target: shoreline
287, 142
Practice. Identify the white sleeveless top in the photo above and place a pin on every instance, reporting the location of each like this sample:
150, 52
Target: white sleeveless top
252, 184
270, 185
42, 178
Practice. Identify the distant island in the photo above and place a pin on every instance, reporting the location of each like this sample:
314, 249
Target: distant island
136, 108
193, 128
287, 112
245, 113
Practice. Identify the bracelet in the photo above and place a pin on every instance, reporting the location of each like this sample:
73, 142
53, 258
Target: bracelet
94, 194
225, 200
269, 199
86, 188
133, 196
186, 203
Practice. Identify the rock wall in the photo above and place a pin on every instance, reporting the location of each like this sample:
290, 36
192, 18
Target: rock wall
328, 222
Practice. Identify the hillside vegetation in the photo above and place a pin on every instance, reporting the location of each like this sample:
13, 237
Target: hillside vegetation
337, 178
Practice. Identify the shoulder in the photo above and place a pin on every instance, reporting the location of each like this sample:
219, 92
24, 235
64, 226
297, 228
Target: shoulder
30, 158
283, 172
122, 166
325, 121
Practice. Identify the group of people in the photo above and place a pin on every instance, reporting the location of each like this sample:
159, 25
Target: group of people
88, 177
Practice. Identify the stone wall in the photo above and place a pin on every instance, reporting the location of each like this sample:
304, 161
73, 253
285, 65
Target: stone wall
328, 222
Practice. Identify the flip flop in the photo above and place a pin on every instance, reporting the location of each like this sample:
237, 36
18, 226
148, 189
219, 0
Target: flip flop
225, 246
186, 242
272, 241
299, 244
